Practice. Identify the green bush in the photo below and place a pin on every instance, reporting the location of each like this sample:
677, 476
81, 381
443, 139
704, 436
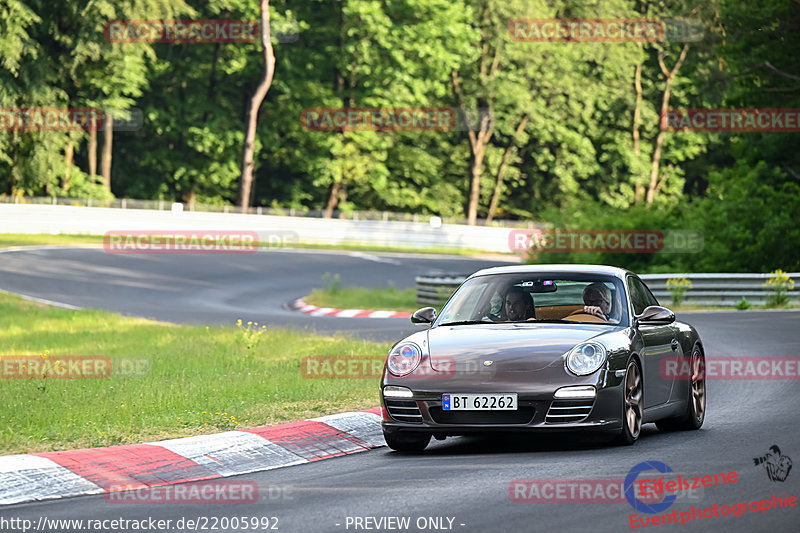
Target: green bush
677, 288
778, 284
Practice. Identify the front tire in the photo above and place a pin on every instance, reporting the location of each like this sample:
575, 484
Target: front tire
406, 442
632, 410
695, 413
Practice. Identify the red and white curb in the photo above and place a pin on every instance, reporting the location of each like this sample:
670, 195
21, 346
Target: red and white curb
48, 475
313, 310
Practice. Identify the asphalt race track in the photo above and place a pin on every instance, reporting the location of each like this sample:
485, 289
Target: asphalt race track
213, 289
465, 480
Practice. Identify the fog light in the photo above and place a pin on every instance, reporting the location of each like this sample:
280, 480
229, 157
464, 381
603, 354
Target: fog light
391, 391
575, 392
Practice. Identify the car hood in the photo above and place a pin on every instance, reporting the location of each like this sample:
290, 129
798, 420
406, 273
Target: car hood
509, 347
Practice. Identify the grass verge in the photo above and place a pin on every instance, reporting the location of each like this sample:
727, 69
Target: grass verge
390, 299
200, 380
36, 239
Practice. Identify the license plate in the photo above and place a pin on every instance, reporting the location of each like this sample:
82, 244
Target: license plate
479, 402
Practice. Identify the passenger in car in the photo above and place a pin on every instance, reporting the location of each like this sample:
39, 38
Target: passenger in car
598, 299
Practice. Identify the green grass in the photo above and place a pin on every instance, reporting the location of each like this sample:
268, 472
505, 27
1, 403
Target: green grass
24, 239
390, 299
201, 379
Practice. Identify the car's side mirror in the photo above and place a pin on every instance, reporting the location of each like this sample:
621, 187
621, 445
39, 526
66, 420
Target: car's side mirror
656, 315
426, 315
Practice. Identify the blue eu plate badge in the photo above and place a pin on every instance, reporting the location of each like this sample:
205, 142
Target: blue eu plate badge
446, 402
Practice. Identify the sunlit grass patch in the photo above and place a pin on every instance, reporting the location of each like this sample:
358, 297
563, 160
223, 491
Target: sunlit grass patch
199, 379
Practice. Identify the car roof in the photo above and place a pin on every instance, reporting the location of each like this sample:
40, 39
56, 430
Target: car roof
570, 269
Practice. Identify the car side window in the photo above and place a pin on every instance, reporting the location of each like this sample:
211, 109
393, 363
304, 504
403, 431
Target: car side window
638, 298
496, 303
651, 300
464, 302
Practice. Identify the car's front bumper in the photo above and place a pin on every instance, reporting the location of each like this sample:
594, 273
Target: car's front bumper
535, 412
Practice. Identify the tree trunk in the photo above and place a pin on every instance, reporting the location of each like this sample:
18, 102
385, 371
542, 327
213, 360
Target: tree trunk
69, 157
342, 198
478, 142
92, 151
190, 198
498, 185
246, 180
105, 158
339, 86
212, 78
637, 82
333, 200
475, 184
670, 74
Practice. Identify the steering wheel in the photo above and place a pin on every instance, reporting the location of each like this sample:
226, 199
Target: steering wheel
580, 316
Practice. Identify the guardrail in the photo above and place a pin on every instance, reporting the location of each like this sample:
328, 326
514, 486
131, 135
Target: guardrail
707, 289
720, 289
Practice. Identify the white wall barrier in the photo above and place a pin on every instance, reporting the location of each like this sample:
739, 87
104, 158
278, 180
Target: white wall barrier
55, 219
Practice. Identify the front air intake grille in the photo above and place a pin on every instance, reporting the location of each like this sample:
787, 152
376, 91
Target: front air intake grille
404, 410
523, 415
564, 411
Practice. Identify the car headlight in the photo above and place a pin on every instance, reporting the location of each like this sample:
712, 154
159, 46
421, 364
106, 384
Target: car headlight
403, 358
586, 358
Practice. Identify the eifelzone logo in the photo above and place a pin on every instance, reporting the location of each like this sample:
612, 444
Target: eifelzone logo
777, 465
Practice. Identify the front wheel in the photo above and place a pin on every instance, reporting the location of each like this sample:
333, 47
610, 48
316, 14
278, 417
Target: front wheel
696, 402
632, 405
406, 442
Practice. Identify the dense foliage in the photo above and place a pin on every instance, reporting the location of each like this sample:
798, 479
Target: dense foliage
563, 132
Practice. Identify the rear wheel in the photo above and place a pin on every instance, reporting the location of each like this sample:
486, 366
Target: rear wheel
632, 405
406, 442
696, 403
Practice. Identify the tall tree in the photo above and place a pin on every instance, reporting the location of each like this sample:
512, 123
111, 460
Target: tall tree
253, 107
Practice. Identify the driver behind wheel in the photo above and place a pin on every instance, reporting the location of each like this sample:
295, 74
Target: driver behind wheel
518, 305
597, 297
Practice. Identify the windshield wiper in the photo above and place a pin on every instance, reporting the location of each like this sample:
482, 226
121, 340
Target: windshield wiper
467, 322
555, 321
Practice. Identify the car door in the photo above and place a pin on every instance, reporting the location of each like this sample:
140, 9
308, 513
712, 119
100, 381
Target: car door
675, 346
657, 346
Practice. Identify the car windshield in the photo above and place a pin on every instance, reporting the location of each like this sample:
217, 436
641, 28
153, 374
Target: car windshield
537, 297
